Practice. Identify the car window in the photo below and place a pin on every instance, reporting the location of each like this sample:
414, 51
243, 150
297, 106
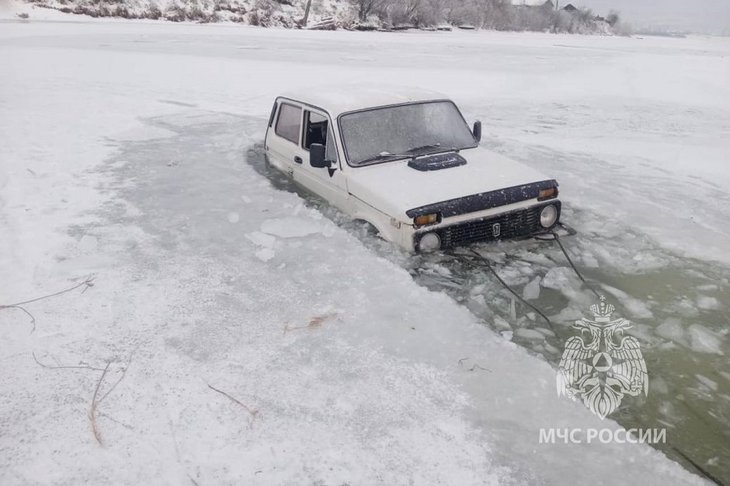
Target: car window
316, 129
289, 122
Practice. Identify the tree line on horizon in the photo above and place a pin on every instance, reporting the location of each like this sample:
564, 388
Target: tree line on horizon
354, 14
486, 14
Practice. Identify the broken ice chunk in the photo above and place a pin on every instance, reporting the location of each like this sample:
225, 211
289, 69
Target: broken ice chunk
290, 227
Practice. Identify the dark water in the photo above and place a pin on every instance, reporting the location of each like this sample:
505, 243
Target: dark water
678, 308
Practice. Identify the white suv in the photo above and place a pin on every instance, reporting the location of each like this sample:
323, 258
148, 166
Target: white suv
407, 163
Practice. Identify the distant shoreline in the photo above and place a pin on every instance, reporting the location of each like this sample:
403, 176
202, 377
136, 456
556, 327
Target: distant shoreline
337, 16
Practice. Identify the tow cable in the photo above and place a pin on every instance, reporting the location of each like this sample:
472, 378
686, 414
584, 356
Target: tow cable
556, 237
551, 236
512, 291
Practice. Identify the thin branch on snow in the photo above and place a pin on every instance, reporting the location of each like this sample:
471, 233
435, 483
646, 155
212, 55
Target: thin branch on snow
251, 412
121, 377
475, 366
86, 283
15, 306
96, 398
314, 323
95, 404
109, 417
63, 367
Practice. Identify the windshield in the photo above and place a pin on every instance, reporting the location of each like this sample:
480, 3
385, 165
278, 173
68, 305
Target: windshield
393, 132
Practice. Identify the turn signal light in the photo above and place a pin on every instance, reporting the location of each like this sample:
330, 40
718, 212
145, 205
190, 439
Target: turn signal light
549, 193
425, 219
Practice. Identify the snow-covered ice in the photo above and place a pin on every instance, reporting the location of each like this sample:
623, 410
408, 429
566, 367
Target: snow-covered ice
352, 369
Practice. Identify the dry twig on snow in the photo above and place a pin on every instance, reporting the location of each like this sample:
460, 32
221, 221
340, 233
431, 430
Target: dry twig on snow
475, 366
314, 323
64, 367
95, 401
96, 398
95, 404
252, 413
86, 283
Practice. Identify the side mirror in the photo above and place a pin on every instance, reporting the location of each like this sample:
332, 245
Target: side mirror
316, 156
477, 131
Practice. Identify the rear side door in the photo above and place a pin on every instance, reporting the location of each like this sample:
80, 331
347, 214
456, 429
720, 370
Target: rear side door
283, 137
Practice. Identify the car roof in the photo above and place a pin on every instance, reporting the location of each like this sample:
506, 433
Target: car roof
344, 98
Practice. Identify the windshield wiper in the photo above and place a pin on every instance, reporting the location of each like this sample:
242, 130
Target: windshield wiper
383, 156
437, 146
410, 153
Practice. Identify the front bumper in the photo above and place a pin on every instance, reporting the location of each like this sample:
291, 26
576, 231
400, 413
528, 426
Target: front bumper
518, 223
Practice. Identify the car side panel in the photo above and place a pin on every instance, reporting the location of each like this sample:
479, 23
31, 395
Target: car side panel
280, 151
388, 227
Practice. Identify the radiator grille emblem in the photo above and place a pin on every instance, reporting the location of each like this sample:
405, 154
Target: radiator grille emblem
496, 229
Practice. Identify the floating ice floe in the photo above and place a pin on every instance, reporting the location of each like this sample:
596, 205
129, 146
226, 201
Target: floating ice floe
673, 330
712, 385
707, 303
261, 239
532, 289
634, 306
703, 340
560, 278
530, 334
291, 227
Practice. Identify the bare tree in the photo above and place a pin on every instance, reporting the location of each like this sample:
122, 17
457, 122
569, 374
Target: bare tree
404, 11
613, 18
367, 7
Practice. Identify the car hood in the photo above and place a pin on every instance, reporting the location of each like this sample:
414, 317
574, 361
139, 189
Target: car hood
394, 187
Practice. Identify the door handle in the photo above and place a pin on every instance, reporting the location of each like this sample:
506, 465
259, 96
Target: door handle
297, 159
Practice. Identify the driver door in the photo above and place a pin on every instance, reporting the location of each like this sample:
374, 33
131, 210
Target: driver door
329, 182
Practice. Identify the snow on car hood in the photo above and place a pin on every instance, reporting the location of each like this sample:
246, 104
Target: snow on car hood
394, 188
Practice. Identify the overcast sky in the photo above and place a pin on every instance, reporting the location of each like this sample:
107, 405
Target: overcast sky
710, 16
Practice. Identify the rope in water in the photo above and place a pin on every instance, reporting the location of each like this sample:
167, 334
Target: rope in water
512, 291
575, 269
522, 299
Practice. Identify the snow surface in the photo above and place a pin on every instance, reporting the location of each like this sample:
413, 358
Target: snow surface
123, 157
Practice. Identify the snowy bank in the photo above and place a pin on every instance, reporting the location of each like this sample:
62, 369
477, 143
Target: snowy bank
333, 14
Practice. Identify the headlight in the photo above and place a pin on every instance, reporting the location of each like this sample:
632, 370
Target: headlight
548, 216
425, 219
429, 242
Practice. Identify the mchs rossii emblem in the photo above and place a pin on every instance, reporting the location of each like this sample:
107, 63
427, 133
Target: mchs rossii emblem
604, 367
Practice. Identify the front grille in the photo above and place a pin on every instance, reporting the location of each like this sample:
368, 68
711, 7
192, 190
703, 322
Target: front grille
514, 224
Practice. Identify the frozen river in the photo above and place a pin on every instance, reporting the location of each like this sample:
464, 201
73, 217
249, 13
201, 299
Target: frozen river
132, 152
